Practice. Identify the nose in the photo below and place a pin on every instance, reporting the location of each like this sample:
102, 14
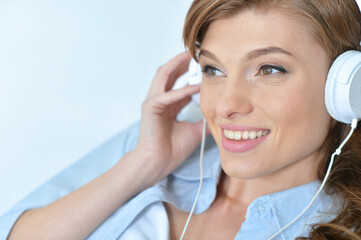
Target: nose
234, 100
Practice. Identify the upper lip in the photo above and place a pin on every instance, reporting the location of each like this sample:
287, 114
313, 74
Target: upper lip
241, 128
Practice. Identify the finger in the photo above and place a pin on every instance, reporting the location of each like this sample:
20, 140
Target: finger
178, 95
160, 103
167, 74
179, 71
177, 107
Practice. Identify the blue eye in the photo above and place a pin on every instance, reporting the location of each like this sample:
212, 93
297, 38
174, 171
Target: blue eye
212, 71
266, 70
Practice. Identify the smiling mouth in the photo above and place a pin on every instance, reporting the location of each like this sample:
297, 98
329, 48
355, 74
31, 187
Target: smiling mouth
244, 135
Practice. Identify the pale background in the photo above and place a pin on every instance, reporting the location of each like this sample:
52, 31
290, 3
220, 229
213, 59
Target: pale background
73, 73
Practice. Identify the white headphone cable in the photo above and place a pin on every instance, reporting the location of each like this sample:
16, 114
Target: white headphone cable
337, 152
201, 177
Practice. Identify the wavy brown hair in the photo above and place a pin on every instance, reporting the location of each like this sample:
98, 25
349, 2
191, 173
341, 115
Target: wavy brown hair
336, 24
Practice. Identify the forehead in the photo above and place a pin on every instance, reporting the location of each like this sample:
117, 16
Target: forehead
256, 28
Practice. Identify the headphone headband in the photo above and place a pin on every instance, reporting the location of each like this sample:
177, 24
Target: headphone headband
358, 2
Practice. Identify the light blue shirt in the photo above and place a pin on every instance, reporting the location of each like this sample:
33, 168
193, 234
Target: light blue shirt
265, 216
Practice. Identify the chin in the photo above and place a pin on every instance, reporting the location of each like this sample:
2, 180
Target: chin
243, 170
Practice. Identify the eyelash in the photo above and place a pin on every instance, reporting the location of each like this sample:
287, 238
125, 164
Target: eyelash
209, 67
273, 67
277, 68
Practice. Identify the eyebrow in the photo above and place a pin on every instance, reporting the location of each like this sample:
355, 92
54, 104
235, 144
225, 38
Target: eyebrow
264, 51
250, 55
207, 54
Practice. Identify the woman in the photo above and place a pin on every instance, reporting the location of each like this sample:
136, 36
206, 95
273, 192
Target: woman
264, 66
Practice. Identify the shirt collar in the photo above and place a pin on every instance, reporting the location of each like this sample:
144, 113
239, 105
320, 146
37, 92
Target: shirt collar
284, 206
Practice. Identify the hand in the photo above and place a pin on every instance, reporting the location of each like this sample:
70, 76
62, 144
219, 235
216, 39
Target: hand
163, 142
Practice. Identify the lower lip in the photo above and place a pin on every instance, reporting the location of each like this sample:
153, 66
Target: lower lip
241, 146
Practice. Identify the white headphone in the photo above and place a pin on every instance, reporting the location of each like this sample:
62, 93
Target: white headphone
195, 77
343, 86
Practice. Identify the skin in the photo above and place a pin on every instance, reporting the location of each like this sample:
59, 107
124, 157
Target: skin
290, 105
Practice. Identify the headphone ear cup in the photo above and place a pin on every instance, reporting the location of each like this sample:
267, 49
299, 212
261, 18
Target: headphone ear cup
343, 87
195, 77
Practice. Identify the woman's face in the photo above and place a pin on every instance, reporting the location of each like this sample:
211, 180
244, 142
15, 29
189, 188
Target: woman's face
262, 94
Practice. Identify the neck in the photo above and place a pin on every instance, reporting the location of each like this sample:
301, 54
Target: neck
245, 191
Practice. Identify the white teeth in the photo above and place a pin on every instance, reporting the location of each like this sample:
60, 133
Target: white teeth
259, 134
252, 135
245, 135
238, 135
231, 134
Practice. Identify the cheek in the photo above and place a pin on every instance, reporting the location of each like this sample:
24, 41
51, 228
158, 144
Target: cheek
295, 105
300, 116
